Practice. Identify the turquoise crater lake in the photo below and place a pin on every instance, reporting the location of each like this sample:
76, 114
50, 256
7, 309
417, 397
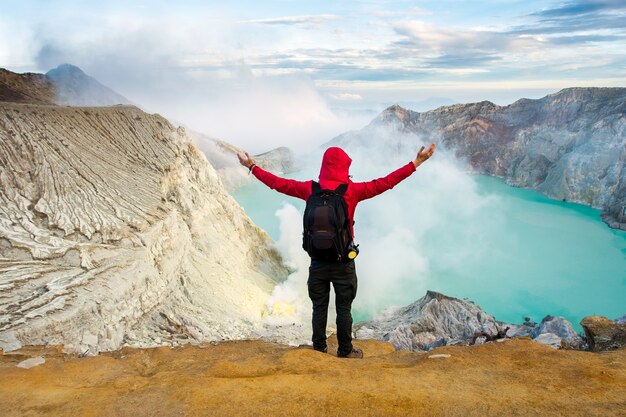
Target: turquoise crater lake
532, 256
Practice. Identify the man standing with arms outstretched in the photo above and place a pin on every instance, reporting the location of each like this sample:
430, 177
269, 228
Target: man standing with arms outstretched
341, 271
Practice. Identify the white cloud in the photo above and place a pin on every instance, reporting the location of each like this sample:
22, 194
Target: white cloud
435, 39
16, 45
347, 96
289, 301
410, 12
308, 20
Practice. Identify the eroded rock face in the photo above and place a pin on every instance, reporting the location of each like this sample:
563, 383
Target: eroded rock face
570, 145
115, 230
604, 334
279, 161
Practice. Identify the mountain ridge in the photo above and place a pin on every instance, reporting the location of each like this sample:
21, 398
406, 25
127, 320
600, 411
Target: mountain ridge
570, 145
65, 85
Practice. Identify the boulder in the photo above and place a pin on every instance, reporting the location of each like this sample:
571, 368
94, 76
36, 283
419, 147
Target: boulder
9, 341
432, 321
31, 362
519, 330
560, 327
604, 334
550, 339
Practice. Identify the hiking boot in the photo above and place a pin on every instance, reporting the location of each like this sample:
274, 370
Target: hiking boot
354, 354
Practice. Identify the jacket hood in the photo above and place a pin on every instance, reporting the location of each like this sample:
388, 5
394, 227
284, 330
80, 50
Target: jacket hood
335, 165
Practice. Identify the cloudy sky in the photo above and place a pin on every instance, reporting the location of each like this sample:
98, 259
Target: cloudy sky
275, 70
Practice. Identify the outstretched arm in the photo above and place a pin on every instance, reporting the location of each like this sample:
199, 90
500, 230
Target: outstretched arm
293, 188
423, 155
365, 190
248, 162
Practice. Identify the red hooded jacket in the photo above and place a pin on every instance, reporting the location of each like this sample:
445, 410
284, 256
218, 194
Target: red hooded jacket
334, 171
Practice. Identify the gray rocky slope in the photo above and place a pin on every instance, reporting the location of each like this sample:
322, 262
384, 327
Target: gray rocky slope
570, 145
439, 320
115, 230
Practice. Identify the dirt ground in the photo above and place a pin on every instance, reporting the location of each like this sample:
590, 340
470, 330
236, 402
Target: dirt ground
255, 378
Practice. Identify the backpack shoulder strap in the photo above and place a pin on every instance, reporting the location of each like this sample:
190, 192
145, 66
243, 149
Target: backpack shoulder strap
341, 190
316, 187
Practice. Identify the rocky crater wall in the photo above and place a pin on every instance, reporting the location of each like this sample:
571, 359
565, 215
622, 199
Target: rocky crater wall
570, 145
114, 229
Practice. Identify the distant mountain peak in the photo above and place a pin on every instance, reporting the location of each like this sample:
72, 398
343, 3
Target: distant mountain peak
394, 114
396, 108
75, 88
66, 68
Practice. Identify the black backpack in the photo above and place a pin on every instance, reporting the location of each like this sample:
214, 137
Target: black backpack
326, 233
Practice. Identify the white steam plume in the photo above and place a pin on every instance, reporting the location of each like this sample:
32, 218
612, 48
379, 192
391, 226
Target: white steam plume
409, 235
289, 298
289, 308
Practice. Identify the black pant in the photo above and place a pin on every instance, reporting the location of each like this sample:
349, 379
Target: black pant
343, 277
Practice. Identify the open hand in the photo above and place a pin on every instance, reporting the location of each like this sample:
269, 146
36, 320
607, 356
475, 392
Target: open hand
423, 155
247, 161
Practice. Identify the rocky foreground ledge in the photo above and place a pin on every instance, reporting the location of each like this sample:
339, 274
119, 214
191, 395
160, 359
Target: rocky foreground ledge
438, 356
255, 378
